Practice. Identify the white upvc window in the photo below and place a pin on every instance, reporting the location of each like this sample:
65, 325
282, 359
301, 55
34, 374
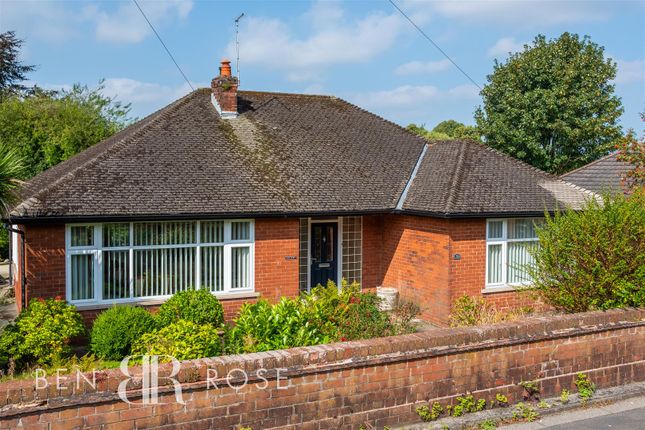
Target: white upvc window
135, 261
508, 245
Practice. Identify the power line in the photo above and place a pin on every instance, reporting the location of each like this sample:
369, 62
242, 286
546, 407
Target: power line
164, 45
435, 45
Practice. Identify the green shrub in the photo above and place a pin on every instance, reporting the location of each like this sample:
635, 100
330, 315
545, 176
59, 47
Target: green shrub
183, 340
263, 327
526, 412
198, 306
586, 388
363, 319
115, 329
564, 396
427, 414
403, 317
594, 258
41, 333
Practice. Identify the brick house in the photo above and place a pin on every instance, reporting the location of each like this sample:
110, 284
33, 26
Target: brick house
256, 194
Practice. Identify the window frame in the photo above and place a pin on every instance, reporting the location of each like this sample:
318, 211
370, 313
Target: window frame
504, 285
98, 249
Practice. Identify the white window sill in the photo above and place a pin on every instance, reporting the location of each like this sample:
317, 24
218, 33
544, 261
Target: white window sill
500, 289
155, 302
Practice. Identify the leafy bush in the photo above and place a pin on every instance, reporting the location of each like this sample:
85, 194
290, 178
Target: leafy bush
403, 317
41, 333
263, 327
594, 258
427, 414
323, 315
183, 340
586, 388
468, 311
198, 306
114, 331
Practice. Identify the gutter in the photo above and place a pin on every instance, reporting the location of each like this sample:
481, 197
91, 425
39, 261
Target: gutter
23, 283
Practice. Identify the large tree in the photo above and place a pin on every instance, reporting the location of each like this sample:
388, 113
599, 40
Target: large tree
553, 104
46, 128
12, 70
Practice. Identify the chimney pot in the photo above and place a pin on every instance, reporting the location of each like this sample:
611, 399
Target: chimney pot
224, 91
225, 68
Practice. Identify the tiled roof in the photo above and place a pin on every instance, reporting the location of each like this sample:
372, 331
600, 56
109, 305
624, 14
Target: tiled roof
285, 154
470, 179
602, 175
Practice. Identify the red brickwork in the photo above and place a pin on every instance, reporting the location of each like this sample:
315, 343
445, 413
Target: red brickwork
372, 251
415, 259
341, 386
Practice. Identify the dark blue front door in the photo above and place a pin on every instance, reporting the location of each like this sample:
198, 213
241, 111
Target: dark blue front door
324, 247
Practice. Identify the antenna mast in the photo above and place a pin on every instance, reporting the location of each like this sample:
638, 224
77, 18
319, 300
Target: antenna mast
237, 45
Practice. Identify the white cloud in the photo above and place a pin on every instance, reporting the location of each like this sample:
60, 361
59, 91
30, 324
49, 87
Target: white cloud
630, 71
126, 23
409, 97
57, 22
422, 67
136, 92
332, 40
503, 46
523, 13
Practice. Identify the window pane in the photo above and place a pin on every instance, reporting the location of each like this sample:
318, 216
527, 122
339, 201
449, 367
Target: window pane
518, 258
521, 229
82, 276
162, 272
213, 268
240, 264
212, 232
164, 233
495, 229
116, 235
240, 230
494, 264
82, 235
116, 275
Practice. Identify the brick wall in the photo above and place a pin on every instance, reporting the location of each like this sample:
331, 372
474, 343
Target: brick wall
372, 251
415, 260
275, 275
341, 386
44, 261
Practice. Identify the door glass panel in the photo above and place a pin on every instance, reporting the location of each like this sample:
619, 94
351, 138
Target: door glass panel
329, 243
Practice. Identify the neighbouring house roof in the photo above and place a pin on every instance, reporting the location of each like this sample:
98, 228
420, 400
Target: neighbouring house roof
602, 175
284, 154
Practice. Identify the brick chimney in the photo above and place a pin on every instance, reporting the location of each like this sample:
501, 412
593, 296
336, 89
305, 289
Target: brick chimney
224, 91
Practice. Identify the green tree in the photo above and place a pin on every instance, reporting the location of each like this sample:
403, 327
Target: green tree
12, 167
46, 128
553, 104
446, 130
593, 258
12, 71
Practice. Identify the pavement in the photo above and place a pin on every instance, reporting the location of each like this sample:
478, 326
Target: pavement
626, 414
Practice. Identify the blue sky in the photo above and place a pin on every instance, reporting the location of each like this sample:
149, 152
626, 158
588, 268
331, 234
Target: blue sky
363, 51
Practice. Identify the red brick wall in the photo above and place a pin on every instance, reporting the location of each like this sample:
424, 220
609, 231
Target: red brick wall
275, 275
45, 260
415, 259
344, 385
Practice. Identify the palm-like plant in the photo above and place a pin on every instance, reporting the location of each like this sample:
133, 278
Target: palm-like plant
12, 168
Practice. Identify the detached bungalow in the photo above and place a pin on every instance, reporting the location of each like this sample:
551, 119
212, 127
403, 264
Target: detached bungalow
256, 194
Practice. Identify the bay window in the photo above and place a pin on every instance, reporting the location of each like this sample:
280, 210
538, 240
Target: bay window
145, 260
508, 246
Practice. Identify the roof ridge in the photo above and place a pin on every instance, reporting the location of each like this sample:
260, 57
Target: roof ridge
456, 177
141, 127
591, 163
282, 93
